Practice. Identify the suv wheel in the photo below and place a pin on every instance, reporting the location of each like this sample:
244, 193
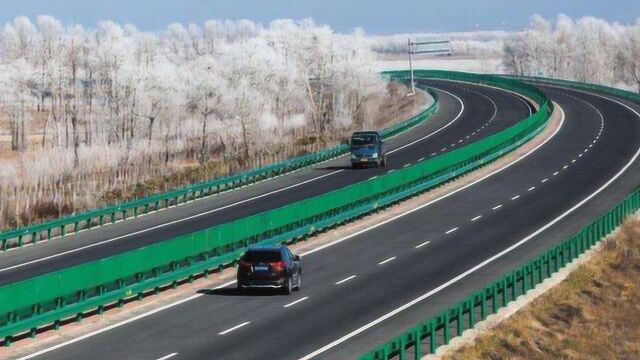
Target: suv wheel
288, 287
299, 284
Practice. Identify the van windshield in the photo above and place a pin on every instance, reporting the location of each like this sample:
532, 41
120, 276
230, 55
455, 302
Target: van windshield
363, 140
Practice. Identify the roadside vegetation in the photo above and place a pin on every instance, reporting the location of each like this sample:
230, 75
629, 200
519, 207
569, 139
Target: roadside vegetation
593, 314
95, 116
585, 49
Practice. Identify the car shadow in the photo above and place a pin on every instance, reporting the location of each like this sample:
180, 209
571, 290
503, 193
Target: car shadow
232, 291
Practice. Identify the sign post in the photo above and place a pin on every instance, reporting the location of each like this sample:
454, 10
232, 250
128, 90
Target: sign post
426, 46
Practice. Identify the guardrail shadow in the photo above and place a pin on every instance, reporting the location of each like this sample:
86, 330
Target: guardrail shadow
233, 291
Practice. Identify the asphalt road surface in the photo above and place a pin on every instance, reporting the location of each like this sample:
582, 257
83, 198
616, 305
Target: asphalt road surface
473, 112
362, 291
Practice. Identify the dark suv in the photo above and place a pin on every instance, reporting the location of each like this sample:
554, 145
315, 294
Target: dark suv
270, 267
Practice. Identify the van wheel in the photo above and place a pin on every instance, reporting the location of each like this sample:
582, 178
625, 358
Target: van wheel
384, 161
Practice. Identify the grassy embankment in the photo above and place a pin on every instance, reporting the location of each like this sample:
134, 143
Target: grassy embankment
593, 314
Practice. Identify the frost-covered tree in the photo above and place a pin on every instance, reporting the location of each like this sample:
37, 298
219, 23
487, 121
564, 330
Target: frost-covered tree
113, 106
589, 49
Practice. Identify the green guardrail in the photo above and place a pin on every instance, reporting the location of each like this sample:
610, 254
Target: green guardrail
630, 95
107, 215
425, 337
67, 293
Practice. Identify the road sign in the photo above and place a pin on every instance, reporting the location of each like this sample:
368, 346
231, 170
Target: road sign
431, 46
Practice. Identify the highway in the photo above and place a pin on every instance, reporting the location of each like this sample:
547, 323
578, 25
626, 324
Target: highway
366, 289
467, 113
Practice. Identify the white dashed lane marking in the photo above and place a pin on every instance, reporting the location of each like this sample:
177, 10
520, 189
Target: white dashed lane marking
345, 279
295, 302
235, 328
386, 261
421, 245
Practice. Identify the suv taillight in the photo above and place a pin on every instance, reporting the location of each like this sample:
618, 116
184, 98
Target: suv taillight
278, 264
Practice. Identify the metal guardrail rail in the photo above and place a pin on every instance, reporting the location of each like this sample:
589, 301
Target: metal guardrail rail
102, 216
438, 330
70, 292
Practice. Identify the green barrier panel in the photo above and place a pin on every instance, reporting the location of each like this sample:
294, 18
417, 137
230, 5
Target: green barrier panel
99, 217
65, 293
509, 286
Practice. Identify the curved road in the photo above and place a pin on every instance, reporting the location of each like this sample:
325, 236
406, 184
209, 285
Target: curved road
365, 290
473, 112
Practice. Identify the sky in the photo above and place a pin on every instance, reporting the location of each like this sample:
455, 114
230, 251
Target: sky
374, 16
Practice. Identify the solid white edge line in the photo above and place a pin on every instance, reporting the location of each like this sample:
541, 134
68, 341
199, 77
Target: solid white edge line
439, 129
345, 279
482, 264
233, 204
386, 261
234, 328
506, 166
151, 312
168, 356
421, 245
295, 302
164, 224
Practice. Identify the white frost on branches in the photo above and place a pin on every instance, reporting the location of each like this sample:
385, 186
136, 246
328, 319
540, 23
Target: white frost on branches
588, 49
114, 105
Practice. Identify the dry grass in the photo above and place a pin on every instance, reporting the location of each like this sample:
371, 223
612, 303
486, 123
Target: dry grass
593, 314
28, 204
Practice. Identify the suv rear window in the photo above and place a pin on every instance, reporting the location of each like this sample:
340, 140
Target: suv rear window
262, 256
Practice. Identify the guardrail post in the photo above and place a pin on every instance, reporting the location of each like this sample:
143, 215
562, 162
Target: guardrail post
505, 294
417, 335
472, 311
433, 336
402, 348
447, 330
460, 318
